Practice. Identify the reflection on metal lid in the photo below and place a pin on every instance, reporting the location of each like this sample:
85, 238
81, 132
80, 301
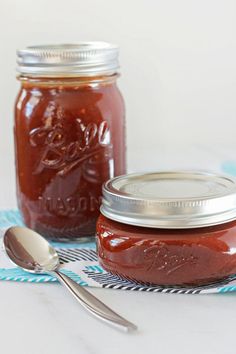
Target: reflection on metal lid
171, 200
81, 59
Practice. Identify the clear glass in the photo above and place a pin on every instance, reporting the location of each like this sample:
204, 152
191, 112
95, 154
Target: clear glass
69, 139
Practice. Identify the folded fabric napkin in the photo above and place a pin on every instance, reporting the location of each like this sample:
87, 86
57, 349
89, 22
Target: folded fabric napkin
79, 261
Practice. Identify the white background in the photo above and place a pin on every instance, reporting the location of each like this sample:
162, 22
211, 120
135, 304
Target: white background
178, 65
178, 61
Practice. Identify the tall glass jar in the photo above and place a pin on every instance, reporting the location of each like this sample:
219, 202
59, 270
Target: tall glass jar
69, 135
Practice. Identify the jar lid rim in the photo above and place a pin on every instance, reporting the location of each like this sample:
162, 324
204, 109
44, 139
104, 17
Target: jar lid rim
80, 59
171, 200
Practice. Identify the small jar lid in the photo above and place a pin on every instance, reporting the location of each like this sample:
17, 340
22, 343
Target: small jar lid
68, 60
170, 200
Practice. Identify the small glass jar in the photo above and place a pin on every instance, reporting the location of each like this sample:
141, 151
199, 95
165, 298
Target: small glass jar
167, 228
69, 136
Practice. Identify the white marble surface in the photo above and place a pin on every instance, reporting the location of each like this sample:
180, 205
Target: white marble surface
44, 319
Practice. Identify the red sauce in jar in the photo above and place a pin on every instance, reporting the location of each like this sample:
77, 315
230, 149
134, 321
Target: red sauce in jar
167, 257
169, 228
69, 139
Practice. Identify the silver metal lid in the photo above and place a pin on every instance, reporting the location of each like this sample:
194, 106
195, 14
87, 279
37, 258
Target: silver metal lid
82, 59
170, 200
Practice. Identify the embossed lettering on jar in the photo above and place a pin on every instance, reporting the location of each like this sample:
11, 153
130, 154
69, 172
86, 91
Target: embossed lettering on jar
69, 135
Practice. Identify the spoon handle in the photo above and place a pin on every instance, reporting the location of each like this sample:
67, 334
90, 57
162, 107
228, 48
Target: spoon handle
92, 304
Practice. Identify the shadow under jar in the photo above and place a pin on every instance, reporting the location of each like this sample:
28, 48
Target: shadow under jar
169, 228
69, 136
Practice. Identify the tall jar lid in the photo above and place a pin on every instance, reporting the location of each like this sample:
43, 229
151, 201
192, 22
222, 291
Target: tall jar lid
81, 59
170, 200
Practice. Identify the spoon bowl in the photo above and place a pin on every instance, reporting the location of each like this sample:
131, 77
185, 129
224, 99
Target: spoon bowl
30, 251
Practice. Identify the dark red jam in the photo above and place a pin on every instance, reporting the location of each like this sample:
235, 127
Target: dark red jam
167, 257
69, 139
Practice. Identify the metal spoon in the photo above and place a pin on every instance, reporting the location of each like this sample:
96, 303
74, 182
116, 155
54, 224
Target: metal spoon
30, 251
